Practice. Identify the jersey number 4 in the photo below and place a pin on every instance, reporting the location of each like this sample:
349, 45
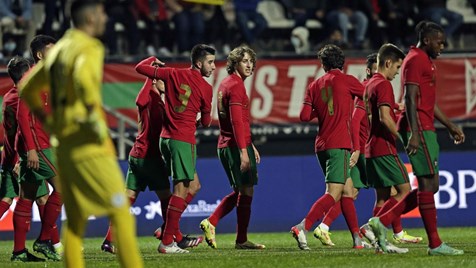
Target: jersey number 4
183, 97
327, 97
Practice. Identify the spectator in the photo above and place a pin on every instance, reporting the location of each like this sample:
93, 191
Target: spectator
158, 33
435, 10
345, 12
52, 11
303, 10
189, 24
219, 32
16, 14
246, 11
121, 11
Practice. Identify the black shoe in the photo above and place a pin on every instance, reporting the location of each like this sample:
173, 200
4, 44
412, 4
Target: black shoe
25, 256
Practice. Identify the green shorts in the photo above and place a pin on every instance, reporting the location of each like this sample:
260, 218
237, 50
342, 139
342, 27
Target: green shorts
231, 161
425, 161
46, 171
335, 165
386, 171
9, 186
180, 158
359, 174
148, 172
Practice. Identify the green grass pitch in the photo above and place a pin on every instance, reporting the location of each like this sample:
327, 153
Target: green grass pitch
281, 251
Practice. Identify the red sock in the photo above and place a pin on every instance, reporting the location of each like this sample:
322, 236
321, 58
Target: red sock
132, 200
332, 214
21, 223
176, 207
426, 204
189, 198
243, 213
376, 211
4, 206
397, 225
164, 204
41, 211
389, 204
350, 215
227, 204
55, 236
52, 211
321, 206
408, 203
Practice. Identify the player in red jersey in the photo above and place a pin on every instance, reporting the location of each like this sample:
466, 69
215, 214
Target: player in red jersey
330, 99
416, 126
37, 165
236, 151
186, 95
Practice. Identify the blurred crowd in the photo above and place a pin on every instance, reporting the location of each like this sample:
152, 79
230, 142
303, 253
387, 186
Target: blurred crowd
171, 27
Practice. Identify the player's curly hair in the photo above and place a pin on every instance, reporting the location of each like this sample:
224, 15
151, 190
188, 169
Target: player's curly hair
332, 57
425, 28
236, 55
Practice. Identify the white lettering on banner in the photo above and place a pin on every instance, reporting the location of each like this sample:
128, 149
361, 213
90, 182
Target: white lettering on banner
201, 209
470, 77
447, 187
463, 190
300, 75
261, 107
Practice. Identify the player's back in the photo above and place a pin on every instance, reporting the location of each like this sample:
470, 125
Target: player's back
75, 68
186, 95
332, 98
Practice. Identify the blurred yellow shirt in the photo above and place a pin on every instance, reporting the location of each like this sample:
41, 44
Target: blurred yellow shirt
72, 75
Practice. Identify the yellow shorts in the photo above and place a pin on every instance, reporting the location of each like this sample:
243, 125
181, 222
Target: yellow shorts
92, 186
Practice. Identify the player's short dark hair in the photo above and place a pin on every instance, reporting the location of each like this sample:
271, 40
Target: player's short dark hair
200, 51
17, 67
425, 28
236, 55
39, 43
331, 56
371, 59
80, 7
389, 52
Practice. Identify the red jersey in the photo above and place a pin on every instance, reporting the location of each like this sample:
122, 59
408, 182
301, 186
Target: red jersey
30, 134
151, 112
9, 112
186, 95
360, 125
418, 69
331, 97
233, 113
379, 92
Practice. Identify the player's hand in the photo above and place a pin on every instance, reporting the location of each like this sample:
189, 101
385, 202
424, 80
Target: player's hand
16, 170
158, 63
158, 85
245, 161
457, 134
32, 161
257, 155
354, 158
401, 106
413, 143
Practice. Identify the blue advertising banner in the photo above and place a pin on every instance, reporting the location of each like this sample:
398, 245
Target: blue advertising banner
287, 188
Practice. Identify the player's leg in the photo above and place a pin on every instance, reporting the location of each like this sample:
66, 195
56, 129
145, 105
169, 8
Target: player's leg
9, 189
161, 186
73, 232
350, 214
181, 158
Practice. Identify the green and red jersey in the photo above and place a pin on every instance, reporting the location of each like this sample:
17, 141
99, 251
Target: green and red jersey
418, 69
331, 98
233, 113
379, 92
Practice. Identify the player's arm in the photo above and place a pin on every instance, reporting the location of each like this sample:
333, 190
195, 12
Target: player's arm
206, 108
386, 119
455, 131
307, 112
151, 67
31, 86
87, 78
411, 92
23, 120
357, 117
143, 97
257, 155
236, 118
